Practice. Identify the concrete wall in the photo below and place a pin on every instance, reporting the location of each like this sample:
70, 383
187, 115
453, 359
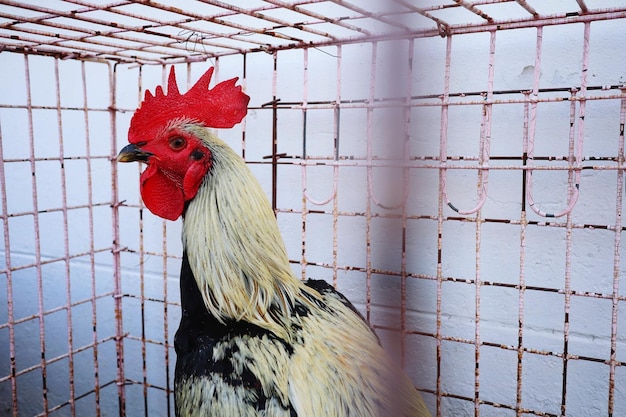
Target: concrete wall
590, 259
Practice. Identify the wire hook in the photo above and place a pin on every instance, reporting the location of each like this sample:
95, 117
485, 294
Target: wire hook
305, 188
575, 154
485, 135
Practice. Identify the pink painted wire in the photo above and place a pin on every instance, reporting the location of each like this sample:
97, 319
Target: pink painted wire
617, 254
92, 257
66, 244
117, 248
371, 104
529, 146
307, 196
40, 302
9, 284
484, 143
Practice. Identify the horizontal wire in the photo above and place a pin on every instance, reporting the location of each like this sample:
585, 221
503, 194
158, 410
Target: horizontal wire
129, 381
53, 260
513, 348
53, 210
57, 358
468, 281
60, 159
142, 54
386, 102
153, 299
385, 215
56, 309
78, 397
55, 108
525, 411
355, 163
149, 340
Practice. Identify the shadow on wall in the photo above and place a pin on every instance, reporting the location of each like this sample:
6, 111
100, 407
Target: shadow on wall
56, 343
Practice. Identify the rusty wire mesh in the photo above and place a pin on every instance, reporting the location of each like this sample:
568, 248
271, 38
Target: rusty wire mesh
369, 123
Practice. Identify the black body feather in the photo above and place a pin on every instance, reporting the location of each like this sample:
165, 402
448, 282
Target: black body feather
199, 334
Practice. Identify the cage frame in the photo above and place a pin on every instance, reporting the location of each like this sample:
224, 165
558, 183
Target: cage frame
19, 37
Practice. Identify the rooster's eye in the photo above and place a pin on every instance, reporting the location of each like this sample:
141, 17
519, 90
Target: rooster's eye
177, 143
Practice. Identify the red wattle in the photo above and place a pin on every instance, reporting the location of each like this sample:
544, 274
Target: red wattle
161, 195
194, 176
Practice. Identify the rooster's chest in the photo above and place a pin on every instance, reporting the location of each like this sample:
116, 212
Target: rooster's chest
230, 370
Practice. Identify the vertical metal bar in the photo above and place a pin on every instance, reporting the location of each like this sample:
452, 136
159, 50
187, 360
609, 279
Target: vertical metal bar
92, 255
566, 323
336, 130
483, 159
31, 138
529, 139
616, 253
142, 306
9, 276
142, 269
568, 243
66, 244
368, 208
115, 251
274, 132
575, 151
164, 75
243, 122
477, 342
142, 275
406, 173
216, 72
188, 79
165, 323
305, 97
306, 197
440, 217
522, 265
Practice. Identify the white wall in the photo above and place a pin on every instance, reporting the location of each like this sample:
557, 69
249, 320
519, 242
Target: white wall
592, 250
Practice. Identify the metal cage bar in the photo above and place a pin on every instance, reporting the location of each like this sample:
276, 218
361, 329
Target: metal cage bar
148, 44
617, 258
265, 31
92, 254
9, 275
36, 225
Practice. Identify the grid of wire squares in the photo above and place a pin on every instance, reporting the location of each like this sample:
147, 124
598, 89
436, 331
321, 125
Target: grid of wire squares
89, 297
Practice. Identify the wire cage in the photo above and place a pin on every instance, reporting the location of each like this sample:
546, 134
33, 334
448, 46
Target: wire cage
454, 167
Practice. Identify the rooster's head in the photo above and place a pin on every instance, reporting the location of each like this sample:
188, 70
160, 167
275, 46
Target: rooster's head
165, 133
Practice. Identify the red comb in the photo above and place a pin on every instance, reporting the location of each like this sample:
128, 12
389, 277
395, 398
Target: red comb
223, 106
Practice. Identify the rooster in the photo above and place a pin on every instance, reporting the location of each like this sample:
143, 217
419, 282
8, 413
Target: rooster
253, 339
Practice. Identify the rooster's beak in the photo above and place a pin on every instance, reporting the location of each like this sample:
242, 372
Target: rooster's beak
131, 153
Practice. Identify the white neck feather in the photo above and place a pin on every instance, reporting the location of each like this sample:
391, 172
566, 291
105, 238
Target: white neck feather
234, 247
